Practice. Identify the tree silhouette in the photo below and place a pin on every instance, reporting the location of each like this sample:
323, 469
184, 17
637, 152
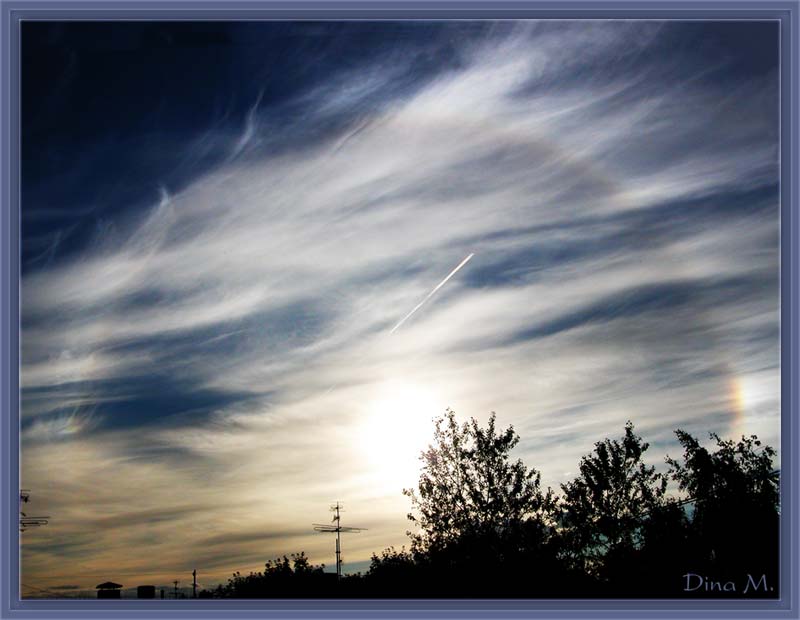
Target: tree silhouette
281, 577
469, 487
394, 573
481, 516
487, 529
606, 508
735, 509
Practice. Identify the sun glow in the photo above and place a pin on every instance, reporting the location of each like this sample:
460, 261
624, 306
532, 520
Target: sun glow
396, 426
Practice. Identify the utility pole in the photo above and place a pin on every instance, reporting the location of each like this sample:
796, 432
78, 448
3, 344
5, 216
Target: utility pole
26, 521
337, 529
176, 582
194, 583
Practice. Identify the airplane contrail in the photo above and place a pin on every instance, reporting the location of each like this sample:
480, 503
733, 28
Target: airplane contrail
431, 294
417, 307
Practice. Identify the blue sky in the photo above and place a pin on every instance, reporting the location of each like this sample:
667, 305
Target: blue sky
222, 223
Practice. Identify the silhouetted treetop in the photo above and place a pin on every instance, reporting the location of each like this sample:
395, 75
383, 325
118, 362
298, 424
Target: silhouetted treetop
469, 487
605, 507
735, 471
487, 529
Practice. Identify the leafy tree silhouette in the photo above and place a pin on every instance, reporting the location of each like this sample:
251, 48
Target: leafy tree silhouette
486, 528
394, 573
736, 509
281, 577
469, 487
480, 515
605, 508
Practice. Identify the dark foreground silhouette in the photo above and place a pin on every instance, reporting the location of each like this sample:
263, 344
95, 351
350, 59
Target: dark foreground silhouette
486, 528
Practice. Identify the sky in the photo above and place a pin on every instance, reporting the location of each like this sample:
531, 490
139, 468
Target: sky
228, 230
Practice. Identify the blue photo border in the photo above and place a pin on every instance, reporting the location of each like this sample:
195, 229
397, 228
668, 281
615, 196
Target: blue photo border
13, 11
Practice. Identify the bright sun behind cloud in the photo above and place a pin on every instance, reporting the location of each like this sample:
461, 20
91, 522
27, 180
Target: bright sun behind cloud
397, 424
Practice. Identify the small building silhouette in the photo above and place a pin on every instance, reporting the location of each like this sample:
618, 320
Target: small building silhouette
109, 589
145, 592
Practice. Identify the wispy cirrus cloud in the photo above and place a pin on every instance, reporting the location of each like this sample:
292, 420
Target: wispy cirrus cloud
621, 209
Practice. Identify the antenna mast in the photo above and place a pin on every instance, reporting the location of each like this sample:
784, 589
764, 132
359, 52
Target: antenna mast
337, 508
24, 520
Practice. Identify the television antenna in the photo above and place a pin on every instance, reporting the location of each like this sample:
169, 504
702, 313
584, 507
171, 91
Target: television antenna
338, 529
24, 520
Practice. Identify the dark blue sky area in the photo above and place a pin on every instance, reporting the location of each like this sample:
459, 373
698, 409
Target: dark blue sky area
111, 112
